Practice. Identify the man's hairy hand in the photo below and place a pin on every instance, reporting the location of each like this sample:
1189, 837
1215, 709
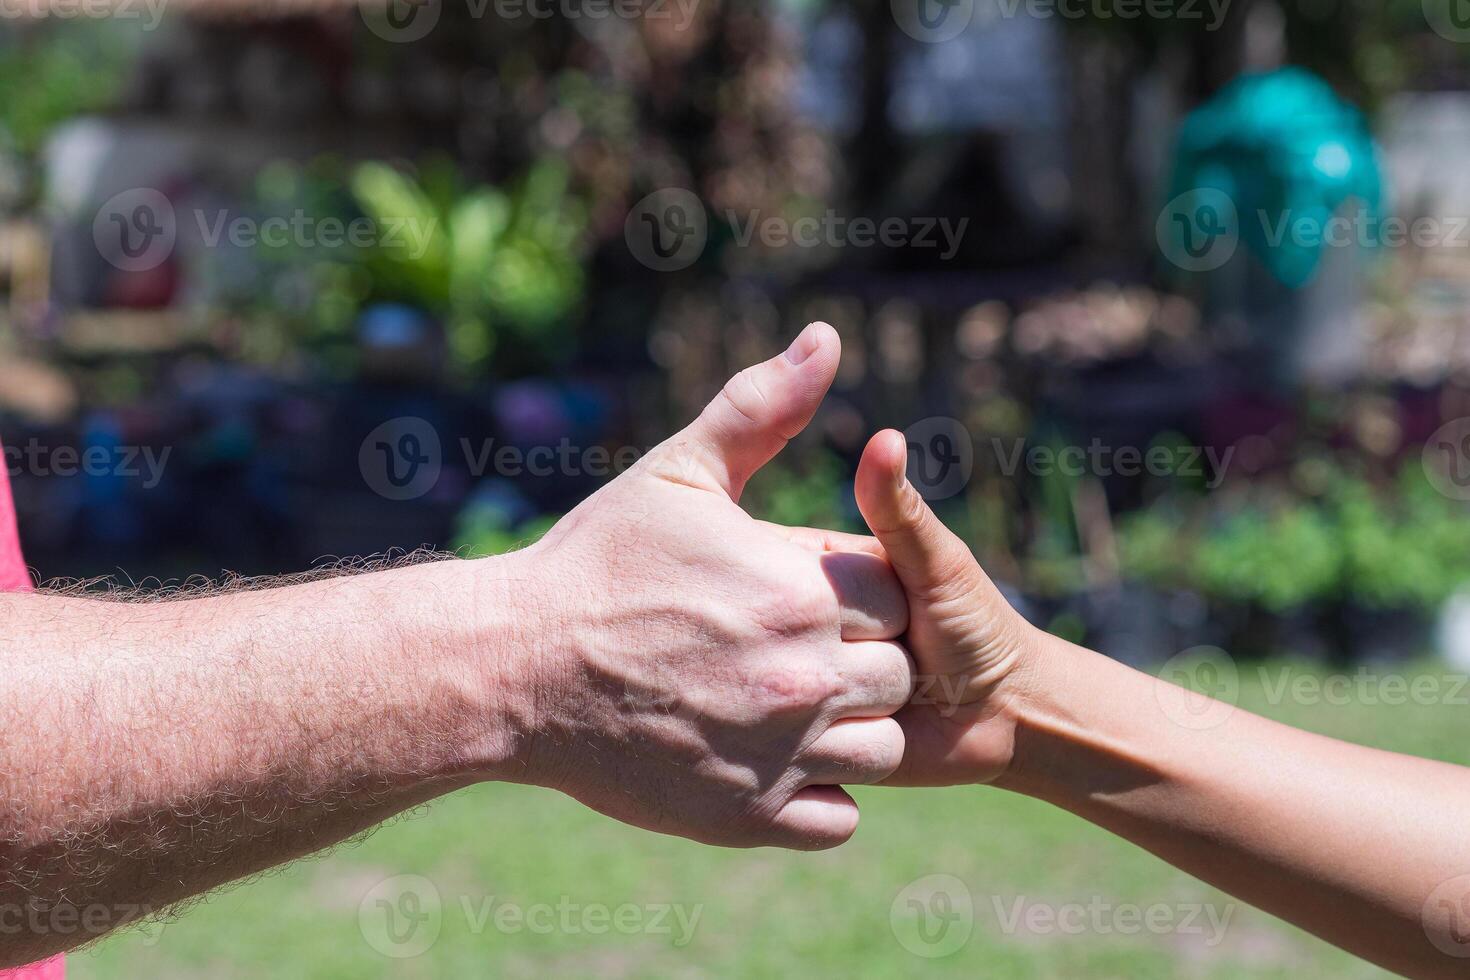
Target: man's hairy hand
660, 657
702, 674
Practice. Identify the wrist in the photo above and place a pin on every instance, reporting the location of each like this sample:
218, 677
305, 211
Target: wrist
1081, 722
491, 627
1040, 712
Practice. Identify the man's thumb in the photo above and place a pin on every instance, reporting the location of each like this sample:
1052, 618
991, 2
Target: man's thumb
927, 556
761, 409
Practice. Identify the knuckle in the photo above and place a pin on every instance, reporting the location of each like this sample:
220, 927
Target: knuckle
889, 684
908, 516
743, 393
740, 783
798, 603
877, 755
789, 690
913, 512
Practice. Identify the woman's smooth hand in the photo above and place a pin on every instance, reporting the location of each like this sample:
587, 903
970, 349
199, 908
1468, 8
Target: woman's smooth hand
972, 649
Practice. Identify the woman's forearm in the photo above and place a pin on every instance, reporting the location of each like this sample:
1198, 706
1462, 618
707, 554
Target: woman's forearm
1366, 849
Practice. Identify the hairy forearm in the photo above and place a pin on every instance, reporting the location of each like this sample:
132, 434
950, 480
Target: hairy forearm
156, 750
1351, 843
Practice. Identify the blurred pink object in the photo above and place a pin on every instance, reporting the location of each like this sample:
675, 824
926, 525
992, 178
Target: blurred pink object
15, 578
52, 969
13, 574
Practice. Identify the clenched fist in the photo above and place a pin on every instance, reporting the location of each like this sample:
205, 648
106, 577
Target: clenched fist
697, 672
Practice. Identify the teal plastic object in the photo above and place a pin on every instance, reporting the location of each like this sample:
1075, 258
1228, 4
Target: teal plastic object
1288, 153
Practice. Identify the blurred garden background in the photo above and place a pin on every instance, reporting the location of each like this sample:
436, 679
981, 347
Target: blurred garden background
1175, 309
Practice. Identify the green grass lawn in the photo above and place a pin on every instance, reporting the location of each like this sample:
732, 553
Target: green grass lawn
764, 913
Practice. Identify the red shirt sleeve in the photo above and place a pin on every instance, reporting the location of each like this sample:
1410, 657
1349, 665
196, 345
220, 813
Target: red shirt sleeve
15, 578
13, 574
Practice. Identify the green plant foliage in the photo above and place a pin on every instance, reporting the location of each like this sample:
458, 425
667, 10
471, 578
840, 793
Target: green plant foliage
806, 495
483, 533
1280, 560
493, 263
1411, 553
1154, 546
49, 76
1403, 546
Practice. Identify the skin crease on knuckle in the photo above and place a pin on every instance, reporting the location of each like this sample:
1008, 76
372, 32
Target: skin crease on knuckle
793, 597
743, 394
874, 756
873, 600
895, 685
792, 689
882, 753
